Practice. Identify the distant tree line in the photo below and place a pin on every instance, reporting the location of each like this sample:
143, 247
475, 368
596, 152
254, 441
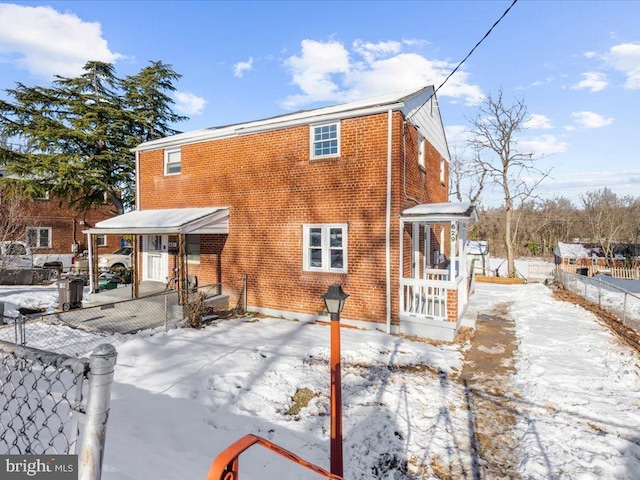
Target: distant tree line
601, 217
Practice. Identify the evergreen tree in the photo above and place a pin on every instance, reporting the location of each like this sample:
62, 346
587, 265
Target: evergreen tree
82, 130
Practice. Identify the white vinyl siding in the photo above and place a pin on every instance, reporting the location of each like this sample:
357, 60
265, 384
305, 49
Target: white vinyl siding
172, 161
325, 140
325, 248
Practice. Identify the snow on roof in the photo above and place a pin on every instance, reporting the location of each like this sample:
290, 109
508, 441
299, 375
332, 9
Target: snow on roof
477, 247
171, 220
443, 211
572, 250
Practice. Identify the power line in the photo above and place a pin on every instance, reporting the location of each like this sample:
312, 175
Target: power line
468, 55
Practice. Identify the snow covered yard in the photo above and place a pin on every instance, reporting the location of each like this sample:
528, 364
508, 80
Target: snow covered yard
179, 398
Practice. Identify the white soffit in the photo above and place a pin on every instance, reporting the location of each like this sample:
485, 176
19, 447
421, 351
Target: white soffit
210, 220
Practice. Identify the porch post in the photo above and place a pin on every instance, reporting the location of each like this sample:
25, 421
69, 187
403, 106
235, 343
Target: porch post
452, 246
92, 267
427, 246
415, 249
135, 277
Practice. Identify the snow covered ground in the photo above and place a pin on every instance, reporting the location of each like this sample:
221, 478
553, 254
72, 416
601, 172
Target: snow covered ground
179, 398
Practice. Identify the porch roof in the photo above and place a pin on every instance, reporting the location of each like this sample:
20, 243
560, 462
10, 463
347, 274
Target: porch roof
209, 220
441, 212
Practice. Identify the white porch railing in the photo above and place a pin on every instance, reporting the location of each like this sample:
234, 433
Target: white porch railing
426, 298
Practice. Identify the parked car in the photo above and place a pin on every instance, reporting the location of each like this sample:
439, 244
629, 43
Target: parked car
15, 255
117, 263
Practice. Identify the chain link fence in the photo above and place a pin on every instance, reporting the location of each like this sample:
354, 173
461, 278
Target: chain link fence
56, 404
613, 298
78, 331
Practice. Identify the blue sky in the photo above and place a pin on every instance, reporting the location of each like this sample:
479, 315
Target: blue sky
575, 64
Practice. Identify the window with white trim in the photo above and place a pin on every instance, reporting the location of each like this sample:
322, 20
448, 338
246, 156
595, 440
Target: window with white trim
325, 140
325, 248
172, 161
442, 170
39, 237
101, 240
420, 150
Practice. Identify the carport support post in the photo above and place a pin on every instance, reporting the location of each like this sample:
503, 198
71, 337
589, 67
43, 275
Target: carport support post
134, 263
182, 269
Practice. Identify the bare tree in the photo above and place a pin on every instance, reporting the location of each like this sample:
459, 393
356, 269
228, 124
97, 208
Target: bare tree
606, 216
470, 173
494, 137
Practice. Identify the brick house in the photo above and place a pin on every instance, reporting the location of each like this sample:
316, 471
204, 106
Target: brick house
52, 227
354, 194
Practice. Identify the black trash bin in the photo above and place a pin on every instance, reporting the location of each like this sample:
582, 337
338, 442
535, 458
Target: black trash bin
70, 293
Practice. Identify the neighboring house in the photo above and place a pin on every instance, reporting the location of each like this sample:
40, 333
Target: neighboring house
478, 251
354, 194
591, 255
52, 228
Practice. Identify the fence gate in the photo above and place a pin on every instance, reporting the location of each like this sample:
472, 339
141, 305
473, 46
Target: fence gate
56, 404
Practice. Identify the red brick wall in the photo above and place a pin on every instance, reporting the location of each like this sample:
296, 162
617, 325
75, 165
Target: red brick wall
273, 188
66, 225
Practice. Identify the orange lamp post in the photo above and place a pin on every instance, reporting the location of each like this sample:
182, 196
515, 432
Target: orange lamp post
334, 301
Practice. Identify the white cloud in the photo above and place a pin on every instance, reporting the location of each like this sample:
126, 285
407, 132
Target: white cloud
240, 68
592, 81
542, 145
314, 72
537, 121
46, 42
189, 103
591, 119
590, 54
328, 71
626, 59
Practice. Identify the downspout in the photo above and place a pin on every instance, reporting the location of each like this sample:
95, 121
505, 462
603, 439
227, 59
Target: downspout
388, 226
137, 186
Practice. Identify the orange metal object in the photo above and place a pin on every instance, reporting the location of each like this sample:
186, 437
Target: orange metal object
336, 399
226, 465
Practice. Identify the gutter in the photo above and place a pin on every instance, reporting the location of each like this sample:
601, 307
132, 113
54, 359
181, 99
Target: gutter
251, 127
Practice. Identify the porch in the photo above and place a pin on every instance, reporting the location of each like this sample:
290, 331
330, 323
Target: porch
435, 278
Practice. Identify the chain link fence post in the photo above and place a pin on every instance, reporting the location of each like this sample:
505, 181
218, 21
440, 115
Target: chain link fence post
101, 363
20, 330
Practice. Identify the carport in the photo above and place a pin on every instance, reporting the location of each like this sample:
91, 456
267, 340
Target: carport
151, 231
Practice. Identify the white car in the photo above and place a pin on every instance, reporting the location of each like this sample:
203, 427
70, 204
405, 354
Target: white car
116, 262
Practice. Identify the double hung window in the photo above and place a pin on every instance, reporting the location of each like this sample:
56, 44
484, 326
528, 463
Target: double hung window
39, 237
172, 161
325, 248
325, 140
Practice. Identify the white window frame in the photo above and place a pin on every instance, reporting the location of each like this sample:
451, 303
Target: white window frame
313, 142
101, 240
38, 230
442, 169
421, 150
325, 247
168, 161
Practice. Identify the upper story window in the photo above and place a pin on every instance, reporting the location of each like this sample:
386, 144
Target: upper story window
172, 161
421, 148
39, 237
325, 140
325, 248
442, 170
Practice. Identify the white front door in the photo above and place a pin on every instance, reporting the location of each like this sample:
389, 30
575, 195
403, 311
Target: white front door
156, 258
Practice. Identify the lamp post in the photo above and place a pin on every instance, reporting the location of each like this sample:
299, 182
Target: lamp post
334, 301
